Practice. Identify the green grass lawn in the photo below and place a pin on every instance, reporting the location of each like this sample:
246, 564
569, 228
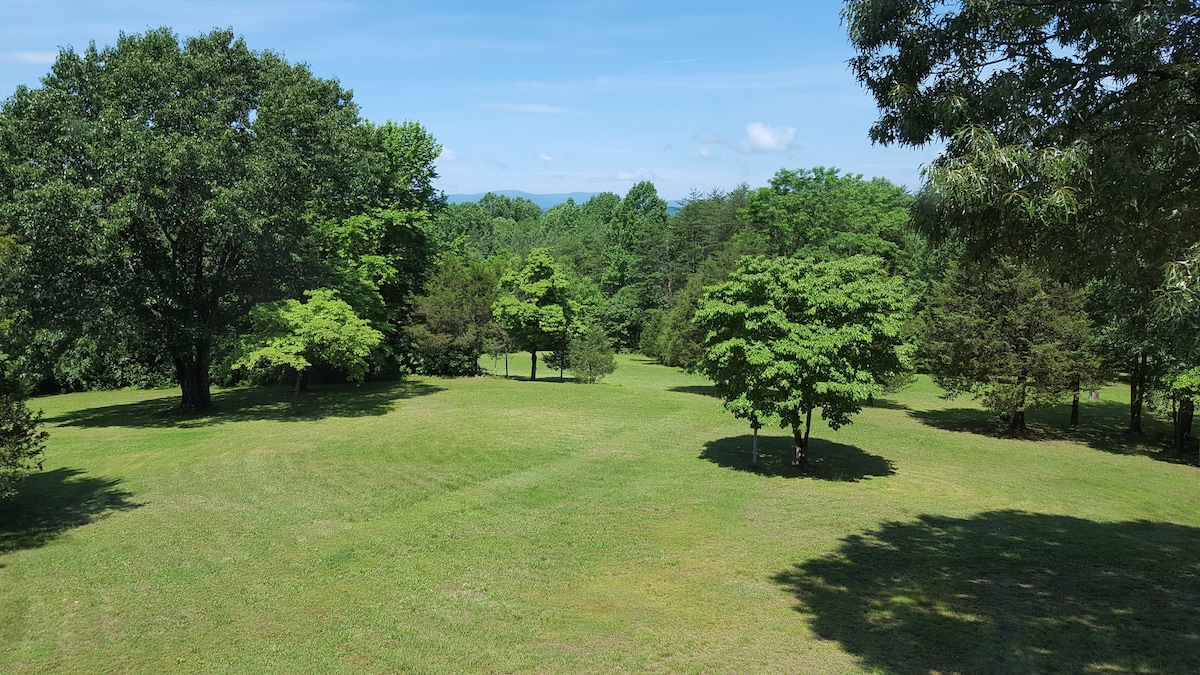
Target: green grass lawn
497, 525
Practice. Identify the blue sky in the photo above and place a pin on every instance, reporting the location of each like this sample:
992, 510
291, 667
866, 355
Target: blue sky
546, 97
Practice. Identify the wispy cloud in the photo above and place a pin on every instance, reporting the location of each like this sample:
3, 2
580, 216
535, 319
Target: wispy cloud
760, 138
538, 108
447, 155
544, 157
28, 57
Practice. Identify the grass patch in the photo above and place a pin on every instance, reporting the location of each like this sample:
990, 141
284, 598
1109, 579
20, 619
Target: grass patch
491, 524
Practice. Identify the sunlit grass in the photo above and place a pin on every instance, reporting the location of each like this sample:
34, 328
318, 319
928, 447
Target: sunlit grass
491, 524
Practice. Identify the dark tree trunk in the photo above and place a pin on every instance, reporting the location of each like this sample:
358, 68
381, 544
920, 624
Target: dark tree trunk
191, 371
1183, 423
801, 458
301, 381
1137, 385
1017, 421
1074, 405
533, 370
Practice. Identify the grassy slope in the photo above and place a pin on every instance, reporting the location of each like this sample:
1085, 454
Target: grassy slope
493, 525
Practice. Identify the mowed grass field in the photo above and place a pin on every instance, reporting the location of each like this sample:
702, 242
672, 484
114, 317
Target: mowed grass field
495, 525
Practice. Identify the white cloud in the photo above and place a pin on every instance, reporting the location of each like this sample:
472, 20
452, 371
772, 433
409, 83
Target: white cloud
538, 108
544, 157
763, 138
447, 155
760, 138
29, 57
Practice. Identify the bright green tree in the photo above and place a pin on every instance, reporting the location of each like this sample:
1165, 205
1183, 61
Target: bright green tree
1007, 337
788, 335
324, 329
535, 306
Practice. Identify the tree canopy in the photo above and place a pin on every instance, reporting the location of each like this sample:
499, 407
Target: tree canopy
785, 336
1072, 131
176, 183
535, 306
1009, 338
324, 329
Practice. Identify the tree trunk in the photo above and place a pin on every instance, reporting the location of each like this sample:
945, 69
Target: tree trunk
1075, 409
801, 458
1137, 385
754, 447
191, 371
1183, 423
533, 370
301, 381
1017, 423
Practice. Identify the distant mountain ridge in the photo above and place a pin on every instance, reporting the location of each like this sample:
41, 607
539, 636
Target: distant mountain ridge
544, 201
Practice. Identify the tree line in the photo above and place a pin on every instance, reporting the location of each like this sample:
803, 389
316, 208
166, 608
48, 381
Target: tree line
193, 211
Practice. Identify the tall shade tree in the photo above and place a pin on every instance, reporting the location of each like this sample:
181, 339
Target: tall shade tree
1009, 338
789, 335
1072, 131
822, 213
535, 306
169, 182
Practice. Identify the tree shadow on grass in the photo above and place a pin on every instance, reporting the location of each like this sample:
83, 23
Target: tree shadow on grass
49, 503
1104, 425
1010, 592
698, 389
253, 403
827, 460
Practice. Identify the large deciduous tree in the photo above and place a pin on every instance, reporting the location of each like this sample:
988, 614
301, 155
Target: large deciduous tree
173, 184
1072, 126
789, 335
822, 213
535, 306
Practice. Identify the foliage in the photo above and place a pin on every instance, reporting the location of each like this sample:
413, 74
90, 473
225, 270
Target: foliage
1007, 337
298, 334
1071, 126
677, 340
176, 184
453, 322
21, 441
535, 306
820, 213
590, 355
789, 335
